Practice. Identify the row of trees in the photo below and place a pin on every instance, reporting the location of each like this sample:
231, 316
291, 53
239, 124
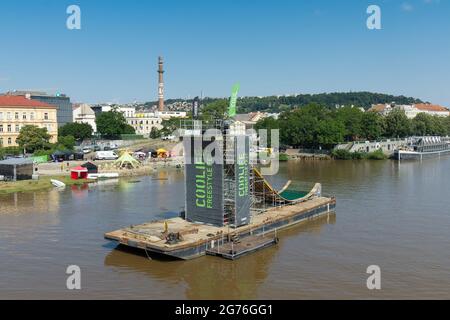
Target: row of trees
315, 126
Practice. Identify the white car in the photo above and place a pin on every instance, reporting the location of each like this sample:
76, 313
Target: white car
106, 155
168, 137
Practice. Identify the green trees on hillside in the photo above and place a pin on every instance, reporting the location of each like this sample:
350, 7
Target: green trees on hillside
215, 110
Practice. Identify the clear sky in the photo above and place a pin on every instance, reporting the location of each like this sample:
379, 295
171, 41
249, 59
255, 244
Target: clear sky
270, 47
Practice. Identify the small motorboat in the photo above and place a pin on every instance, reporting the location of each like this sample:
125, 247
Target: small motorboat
57, 183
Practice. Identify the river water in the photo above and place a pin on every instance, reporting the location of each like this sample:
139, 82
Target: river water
388, 214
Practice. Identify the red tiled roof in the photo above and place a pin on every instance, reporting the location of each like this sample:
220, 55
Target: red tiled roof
430, 107
21, 101
378, 108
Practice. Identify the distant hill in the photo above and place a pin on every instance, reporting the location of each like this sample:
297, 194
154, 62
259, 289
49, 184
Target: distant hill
282, 103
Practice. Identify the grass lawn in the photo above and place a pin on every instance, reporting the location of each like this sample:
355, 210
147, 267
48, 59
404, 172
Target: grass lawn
37, 185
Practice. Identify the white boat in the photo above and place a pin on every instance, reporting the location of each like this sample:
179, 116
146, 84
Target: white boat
95, 176
57, 183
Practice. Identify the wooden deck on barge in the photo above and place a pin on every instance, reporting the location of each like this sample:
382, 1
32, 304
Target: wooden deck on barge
198, 238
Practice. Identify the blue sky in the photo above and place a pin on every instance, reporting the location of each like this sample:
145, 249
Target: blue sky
270, 47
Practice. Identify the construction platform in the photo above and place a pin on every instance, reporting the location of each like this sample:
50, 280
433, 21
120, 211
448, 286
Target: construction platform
182, 239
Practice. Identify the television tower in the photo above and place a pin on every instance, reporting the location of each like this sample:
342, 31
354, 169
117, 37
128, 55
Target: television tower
161, 84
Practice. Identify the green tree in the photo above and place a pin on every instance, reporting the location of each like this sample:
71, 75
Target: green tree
300, 126
351, 117
268, 124
330, 132
446, 125
397, 124
155, 133
438, 126
422, 124
372, 126
67, 142
79, 131
112, 124
169, 126
33, 138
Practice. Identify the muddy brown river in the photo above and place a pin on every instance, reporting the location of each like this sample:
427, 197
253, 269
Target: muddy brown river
396, 216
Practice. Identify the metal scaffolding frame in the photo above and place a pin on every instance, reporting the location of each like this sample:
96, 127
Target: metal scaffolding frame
260, 201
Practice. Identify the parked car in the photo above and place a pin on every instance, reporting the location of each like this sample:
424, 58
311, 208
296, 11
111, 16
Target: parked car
87, 150
106, 155
171, 137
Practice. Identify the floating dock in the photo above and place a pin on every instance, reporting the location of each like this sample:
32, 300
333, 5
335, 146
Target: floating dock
233, 250
179, 238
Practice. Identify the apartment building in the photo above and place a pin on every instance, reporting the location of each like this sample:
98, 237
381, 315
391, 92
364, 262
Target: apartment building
143, 123
19, 111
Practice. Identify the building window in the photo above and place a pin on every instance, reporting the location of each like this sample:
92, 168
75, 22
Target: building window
9, 141
1, 128
32, 116
8, 115
24, 116
1, 116
16, 115
17, 128
9, 128
46, 116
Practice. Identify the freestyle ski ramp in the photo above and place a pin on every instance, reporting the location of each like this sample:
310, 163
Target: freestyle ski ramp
286, 194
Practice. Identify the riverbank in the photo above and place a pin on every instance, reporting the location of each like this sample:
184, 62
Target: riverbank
104, 166
48, 171
42, 184
338, 154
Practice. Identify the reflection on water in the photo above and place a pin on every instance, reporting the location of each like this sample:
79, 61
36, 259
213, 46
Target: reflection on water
390, 214
26, 203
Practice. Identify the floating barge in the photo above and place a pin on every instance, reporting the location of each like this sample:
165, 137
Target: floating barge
231, 209
198, 239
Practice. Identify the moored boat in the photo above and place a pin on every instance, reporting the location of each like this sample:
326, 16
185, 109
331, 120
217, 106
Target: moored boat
57, 183
99, 176
420, 148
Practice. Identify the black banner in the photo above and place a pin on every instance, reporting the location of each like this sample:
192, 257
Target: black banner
242, 178
204, 183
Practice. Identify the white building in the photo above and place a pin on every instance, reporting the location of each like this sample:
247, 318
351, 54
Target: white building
143, 123
412, 111
165, 115
84, 114
128, 112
